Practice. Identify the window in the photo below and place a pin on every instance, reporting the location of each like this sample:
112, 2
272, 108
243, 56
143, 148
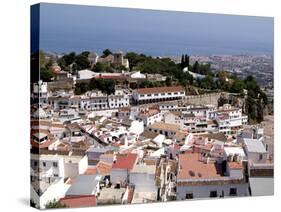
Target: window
44, 164
189, 196
233, 192
35, 163
213, 194
55, 164
260, 157
148, 94
156, 94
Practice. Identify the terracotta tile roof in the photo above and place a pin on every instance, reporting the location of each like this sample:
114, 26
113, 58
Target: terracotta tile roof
217, 136
91, 171
148, 113
191, 167
149, 161
104, 168
160, 90
125, 109
181, 134
149, 134
165, 126
41, 145
125, 161
235, 165
79, 201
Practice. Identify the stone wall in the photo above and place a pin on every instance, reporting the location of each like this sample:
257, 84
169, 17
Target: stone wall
211, 98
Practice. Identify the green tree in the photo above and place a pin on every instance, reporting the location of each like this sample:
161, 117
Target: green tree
207, 82
195, 68
186, 60
168, 81
82, 61
55, 204
46, 75
237, 86
106, 52
67, 60
260, 107
252, 86
101, 67
49, 64
85, 53
81, 88
182, 61
42, 59
109, 86
105, 85
222, 101
145, 84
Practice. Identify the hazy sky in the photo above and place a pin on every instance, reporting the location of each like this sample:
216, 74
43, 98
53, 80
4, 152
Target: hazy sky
66, 28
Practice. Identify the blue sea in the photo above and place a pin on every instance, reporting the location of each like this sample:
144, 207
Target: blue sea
66, 28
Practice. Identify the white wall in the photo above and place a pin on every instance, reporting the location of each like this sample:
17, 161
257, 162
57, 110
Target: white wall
173, 119
204, 191
118, 175
83, 165
235, 173
151, 96
137, 127
143, 182
49, 166
73, 169
56, 191
255, 157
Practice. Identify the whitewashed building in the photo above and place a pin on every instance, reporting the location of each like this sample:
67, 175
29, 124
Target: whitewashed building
149, 115
119, 174
149, 95
40, 91
230, 120
198, 179
255, 150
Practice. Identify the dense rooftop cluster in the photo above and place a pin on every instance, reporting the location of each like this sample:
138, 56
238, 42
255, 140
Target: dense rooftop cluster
137, 145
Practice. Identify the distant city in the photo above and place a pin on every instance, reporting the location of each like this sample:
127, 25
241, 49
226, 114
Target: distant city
260, 66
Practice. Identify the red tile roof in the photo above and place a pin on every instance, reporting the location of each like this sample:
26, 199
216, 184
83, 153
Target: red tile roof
160, 89
125, 161
235, 165
79, 201
41, 145
149, 112
103, 168
191, 167
91, 171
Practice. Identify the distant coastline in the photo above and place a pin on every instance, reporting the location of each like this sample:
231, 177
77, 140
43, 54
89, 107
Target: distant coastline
178, 54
